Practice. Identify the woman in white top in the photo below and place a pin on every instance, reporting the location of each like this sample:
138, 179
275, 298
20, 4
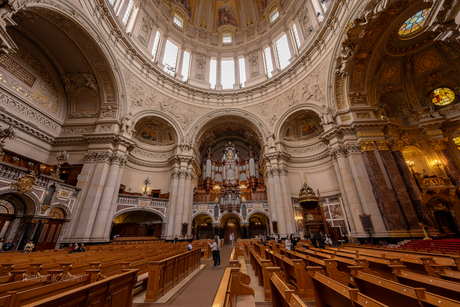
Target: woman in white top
328, 240
288, 243
214, 247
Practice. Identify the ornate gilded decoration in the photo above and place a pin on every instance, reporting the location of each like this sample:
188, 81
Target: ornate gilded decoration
432, 181
382, 145
428, 61
345, 118
439, 145
6, 133
366, 146
363, 115
43, 208
340, 92
305, 190
24, 183
302, 127
396, 145
358, 98
151, 131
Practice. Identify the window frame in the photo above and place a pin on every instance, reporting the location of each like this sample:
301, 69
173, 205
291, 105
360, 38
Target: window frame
177, 56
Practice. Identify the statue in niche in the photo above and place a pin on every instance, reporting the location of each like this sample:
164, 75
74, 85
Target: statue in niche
271, 141
127, 122
327, 115
345, 56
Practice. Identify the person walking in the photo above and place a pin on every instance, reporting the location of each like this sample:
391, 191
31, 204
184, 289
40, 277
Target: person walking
232, 237
214, 251
288, 243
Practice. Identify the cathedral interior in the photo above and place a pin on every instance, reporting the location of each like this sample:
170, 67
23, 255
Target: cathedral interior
195, 118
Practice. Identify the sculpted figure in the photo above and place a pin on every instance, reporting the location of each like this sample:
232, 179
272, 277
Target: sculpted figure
327, 115
345, 56
127, 122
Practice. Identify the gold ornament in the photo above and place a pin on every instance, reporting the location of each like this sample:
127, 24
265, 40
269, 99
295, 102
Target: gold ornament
382, 145
366, 146
439, 145
24, 183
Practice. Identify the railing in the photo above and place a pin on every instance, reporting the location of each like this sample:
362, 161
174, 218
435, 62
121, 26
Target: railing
142, 200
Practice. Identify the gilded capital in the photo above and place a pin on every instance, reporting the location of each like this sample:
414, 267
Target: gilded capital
382, 145
366, 146
396, 145
439, 145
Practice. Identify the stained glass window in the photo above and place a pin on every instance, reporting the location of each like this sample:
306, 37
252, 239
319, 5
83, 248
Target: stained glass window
457, 142
442, 96
414, 23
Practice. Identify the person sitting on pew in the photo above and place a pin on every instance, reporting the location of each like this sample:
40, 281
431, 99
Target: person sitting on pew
175, 239
1, 243
263, 241
321, 240
328, 240
81, 248
293, 242
8, 246
29, 247
189, 246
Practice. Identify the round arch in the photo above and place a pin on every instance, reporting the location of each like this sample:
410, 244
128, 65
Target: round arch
202, 213
255, 212
139, 209
108, 73
163, 116
308, 106
64, 208
197, 128
29, 201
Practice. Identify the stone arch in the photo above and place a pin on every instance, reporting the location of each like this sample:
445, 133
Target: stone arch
258, 211
153, 113
64, 208
106, 69
301, 107
151, 210
197, 129
223, 215
202, 213
28, 202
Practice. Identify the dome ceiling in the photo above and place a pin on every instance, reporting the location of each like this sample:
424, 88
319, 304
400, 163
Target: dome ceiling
217, 15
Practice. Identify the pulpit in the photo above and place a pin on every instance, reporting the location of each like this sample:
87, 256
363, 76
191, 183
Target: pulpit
312, 210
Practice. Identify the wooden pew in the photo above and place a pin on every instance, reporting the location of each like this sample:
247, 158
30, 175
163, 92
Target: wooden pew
282, 295
165, 274
396, 294
328, 292
233, 291
111, 292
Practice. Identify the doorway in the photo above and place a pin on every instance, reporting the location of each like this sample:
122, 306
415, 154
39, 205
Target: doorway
231, 224
445, 222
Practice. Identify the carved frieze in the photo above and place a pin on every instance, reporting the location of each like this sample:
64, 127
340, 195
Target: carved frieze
78, 130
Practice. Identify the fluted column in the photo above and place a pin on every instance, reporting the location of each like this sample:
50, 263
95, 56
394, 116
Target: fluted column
92, 196
271, 198
188, 202
351, 194
180, 203
110, 190
288, 210
282, 229
397, 183
386, 201
408, 179
172, 205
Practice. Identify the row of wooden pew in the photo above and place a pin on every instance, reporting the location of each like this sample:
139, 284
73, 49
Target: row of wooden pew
103, 276
365, 276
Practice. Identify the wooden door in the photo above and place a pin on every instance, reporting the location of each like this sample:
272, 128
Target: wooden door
49, 235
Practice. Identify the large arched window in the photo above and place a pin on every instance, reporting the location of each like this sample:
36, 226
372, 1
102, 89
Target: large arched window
414, 23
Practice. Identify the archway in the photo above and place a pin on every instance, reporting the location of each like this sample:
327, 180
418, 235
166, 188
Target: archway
230, 223
47, 234
202, 227
137, 224
259, 225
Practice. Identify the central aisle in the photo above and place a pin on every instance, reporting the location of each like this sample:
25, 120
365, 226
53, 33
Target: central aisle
201, 290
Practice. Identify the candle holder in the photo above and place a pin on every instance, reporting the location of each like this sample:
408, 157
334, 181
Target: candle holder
146, 183
61, 157
411, 165
437, 165
6, 133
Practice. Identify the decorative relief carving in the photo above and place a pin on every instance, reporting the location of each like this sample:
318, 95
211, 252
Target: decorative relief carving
305, 149
105, 128
43, 92
358, 98
310, 159
75, 81
200, 66
254, 69
83, 115
428, 61
382, 145
439, 145
78, 130
345, 117
27, 111
154, 155
363, 115
391, 73
147, 164
24, 183
146, 28
340, 92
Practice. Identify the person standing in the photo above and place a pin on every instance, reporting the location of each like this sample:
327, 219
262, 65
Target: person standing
288, 243
29, 246
1, 243
232, 237
214, 251
276, 238
218, 251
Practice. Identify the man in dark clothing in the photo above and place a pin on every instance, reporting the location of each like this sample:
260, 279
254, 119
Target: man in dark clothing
175, 239
316, 239
8, 246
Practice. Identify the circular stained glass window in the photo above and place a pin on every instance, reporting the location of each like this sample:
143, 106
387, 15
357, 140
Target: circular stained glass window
442, 96
414, 23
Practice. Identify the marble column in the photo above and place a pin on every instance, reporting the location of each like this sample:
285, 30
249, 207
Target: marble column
288, 210
415, 195
397, 183
170, 216
188, 202
271, 198
275, 63
385, 199
351, 193
282, 229
108, 226
180, 204
110, 190
93, 197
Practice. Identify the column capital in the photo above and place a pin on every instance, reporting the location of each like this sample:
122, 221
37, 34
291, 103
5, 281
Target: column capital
366, 146
396, 145
382, 145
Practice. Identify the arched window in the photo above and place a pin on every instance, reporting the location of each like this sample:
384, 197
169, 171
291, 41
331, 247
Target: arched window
414, 23
442, 96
